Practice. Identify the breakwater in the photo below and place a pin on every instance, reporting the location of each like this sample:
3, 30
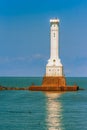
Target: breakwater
13, 88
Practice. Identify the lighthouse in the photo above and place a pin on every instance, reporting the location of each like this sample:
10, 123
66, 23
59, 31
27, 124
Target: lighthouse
54, 79
54, 76
54, 66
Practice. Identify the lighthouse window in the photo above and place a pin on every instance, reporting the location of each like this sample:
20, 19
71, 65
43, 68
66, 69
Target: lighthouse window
54, 34
54, 60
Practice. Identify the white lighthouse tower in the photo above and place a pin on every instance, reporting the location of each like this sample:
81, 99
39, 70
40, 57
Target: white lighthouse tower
54, 66
54, 79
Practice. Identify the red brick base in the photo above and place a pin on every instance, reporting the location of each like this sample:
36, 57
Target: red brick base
54, 81
54, 84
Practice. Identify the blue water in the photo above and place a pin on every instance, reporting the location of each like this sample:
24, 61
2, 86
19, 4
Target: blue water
26, 110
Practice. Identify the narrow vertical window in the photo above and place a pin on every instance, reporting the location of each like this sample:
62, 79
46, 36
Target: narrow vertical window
54, 34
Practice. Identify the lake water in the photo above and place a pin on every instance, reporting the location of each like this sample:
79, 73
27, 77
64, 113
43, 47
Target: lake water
26, 110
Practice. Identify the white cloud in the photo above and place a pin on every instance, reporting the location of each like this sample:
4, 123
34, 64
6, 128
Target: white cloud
21, 58
37, 56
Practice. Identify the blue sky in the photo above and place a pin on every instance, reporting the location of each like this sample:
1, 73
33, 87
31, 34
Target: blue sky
25, 39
